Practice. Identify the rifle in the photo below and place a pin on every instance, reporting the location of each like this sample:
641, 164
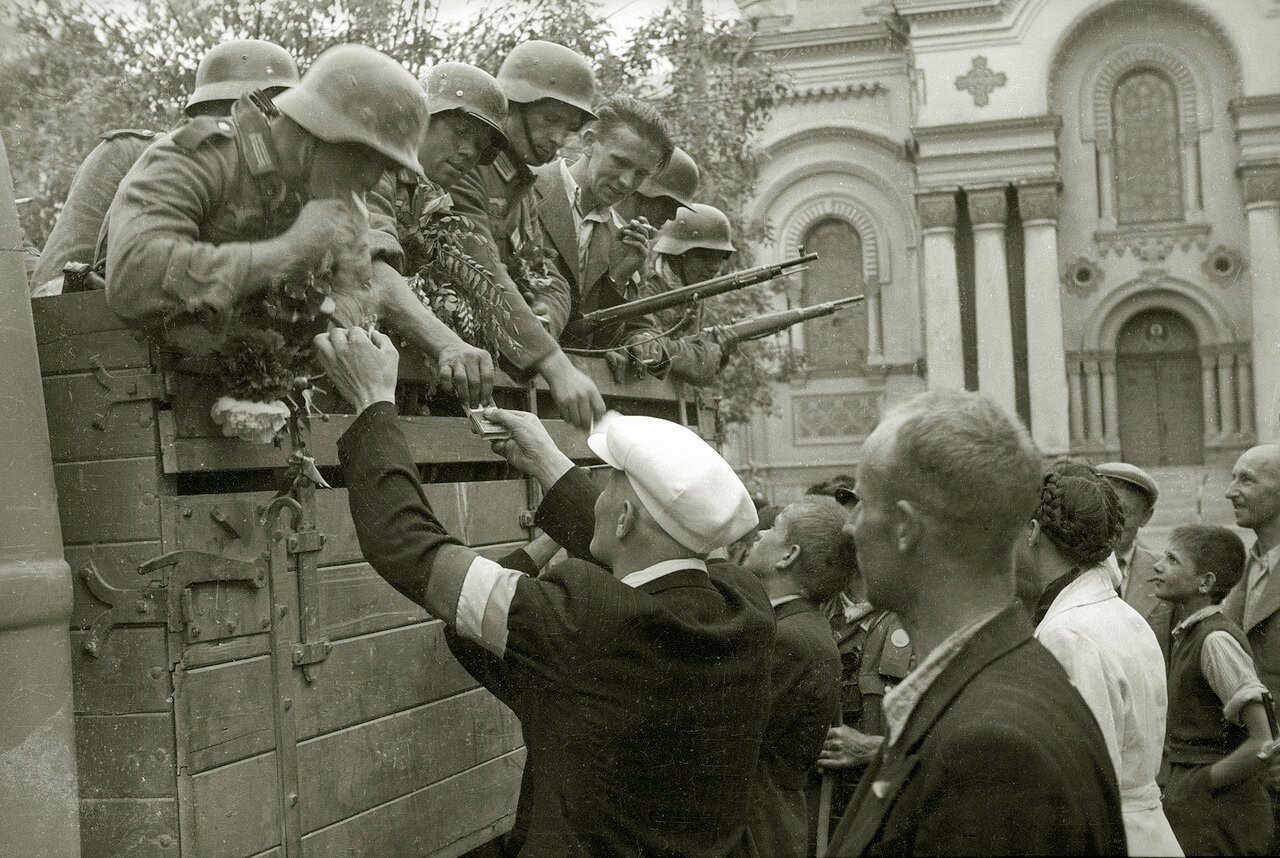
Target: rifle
693, 292
772, 323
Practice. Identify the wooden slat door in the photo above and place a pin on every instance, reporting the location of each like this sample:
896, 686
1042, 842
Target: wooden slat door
1161, 418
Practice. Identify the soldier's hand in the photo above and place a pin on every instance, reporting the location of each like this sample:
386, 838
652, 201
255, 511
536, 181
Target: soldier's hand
325, 226
846, 748
575, 394
619, 363
468, 371
362, 369
530, 448
647, 351
541, 311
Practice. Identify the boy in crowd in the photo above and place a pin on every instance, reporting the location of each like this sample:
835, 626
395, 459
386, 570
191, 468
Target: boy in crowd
1215, 799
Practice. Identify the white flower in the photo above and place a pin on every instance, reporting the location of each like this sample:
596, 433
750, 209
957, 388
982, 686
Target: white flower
258, 422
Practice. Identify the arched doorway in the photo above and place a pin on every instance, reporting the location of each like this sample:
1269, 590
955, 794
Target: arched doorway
1160, 390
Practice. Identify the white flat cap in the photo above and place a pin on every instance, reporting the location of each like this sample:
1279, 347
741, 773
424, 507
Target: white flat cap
689, 489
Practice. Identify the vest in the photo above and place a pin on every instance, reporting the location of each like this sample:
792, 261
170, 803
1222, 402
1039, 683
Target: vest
1197, 732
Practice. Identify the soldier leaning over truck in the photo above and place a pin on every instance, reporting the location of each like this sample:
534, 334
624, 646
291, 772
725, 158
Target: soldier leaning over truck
217, 211
549, 90
225, 73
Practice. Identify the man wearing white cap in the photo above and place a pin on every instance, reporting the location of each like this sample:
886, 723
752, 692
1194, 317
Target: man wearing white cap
642, 693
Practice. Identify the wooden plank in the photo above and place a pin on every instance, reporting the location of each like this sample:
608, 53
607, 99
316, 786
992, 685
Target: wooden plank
59, 316
647, 387
445, 819
129, 674
112, 350
85, 422
125, 756
235, 809
226, 712
116, 564
129, 828
113, 501
433, 440
350, 771
354, 600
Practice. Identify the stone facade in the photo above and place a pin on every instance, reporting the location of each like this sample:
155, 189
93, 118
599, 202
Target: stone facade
1071, 205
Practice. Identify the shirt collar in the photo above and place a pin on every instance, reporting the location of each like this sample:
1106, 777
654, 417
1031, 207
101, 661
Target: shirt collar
782, 600
901, 700
1126, 562
643, 576
854, 611
1199, 615
1268, 560
604, 214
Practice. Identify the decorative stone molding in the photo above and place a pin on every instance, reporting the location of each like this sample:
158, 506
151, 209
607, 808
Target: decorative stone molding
1038, 201
1261, 182
834, 418
988, 207
1146, 56
872, 245
937, 209
1223, 265
944, 10
980, 81
1154, 289
1155, 243
815, 94
1082, 276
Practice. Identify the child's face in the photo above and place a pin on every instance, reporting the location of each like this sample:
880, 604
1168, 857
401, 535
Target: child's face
1176, 577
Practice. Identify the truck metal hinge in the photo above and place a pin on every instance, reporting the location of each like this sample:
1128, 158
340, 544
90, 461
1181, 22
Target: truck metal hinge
304, 545
126, 388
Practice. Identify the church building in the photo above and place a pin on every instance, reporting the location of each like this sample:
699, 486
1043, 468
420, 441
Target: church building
1072, 206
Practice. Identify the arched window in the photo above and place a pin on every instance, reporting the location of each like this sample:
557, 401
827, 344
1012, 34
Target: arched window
1148, 161
837, 344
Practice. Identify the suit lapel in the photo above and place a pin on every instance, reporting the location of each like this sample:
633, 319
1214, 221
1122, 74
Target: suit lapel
876, 795
598, 253
1267, 605
553, 211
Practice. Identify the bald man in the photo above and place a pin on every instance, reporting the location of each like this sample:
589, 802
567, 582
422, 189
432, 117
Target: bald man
1254, 603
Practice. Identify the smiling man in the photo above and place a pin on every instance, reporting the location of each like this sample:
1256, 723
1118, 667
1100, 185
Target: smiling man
1254, 602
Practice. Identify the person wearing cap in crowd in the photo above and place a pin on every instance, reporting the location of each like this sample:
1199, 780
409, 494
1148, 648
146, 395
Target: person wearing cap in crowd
989, 749
593, 248
225, 73
689, 249
803, 560
638, 669
1138, 493
218, 210
549, 90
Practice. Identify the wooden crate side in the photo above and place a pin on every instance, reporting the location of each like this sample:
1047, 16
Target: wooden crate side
88, 421
110, 350
225, 712
352, 600
344, 773
111, 501
129, 828
235, 809
130, 674
125, 756
443, 820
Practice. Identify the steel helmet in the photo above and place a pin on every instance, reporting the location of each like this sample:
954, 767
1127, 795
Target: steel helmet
231, 69
469, 90
699, 226
354, 94
678, 180
536, 70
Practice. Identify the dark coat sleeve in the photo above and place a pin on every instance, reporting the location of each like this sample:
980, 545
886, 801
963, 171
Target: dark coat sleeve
568, 513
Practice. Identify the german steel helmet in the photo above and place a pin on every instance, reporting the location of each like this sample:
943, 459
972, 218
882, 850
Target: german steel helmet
699, 226
231, 69
473, 91
535, 70
354, 94
678, 180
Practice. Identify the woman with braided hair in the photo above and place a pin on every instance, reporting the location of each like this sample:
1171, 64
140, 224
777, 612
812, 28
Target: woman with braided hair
1107, 649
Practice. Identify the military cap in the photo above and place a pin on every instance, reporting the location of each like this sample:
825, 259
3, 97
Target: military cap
688, 488
1134, 476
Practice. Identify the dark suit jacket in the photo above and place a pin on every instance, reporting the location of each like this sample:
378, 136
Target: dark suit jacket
1263, 628
804, 700
642, 708
1001, 756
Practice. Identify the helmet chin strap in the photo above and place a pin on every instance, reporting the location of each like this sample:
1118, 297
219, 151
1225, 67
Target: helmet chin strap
524, 129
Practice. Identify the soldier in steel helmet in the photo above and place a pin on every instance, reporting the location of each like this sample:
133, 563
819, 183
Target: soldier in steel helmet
549, 90
219, 209
659, 198
225, 73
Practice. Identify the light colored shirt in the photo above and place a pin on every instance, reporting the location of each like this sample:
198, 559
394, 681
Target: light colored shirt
1226, 666
901, 700
585, 222
1258, 573
1113, 659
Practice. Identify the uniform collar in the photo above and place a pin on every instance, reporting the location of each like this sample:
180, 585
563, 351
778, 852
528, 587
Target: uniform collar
643, 576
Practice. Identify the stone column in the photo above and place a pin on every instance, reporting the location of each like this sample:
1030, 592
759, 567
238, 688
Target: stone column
1244, 387
1209, 383
1106, 184
1077, 400
1093, 395
875, 342
1191, 176
1110, 402
1046, 354
988, 211
944, 349
1262, 202
1227, 391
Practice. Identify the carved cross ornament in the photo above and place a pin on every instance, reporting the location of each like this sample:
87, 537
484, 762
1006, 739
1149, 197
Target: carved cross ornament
980, 81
